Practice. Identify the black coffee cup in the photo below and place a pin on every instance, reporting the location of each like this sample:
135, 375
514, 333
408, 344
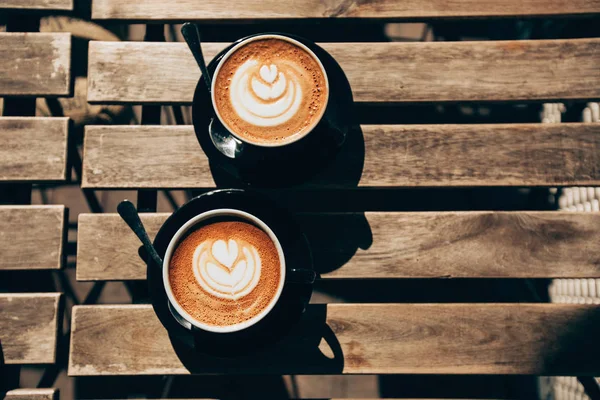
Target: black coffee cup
280, 165
286, 275
296, 289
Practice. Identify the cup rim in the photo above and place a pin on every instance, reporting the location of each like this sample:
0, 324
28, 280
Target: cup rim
184, 229
244, 42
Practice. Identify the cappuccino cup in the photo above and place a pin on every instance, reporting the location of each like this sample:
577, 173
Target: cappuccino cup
270, 90
224, 271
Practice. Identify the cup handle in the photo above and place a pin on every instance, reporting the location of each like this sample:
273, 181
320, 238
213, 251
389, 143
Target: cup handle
301, 275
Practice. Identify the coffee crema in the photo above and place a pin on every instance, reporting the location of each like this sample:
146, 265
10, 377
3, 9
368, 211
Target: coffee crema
270, 91
225, 273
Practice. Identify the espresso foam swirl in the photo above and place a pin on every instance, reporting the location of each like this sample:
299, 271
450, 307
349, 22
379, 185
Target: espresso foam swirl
227, 270
266, 95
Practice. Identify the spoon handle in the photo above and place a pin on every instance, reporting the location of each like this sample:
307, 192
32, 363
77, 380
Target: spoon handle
191, 34
128, 212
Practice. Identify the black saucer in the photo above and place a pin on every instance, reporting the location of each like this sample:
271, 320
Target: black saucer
280, 166
288, 309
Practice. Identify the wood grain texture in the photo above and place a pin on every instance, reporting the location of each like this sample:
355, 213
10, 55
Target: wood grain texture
32, 237
66, 5
394, 156
35, 64
29, 327
402, 245
541, 339
138, 72
33, 149
32, 394
157, 10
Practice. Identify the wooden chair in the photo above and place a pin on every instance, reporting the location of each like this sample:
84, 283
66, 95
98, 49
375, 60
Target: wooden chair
392, 338
32, 394
29, 323
32, 150
37, 5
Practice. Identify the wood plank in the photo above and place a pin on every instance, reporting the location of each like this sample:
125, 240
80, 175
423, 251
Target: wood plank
394, 156
66, 5
33, 149
179, 10
32, 394
29, 327
403, 245
32, 237
35, 64
141, 72
541, 339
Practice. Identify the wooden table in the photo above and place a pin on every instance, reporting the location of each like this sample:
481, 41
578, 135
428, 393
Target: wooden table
387, 244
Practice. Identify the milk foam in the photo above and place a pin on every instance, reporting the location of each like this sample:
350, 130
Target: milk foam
266, 95
227, 269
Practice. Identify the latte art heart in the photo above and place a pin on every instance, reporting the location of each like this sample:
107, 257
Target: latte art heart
227, 270
264, 95
224, 273
270, 91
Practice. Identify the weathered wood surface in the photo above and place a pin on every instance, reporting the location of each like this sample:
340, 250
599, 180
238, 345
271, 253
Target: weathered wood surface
29, 327
33, 149
541, 339
32, 394
179, 10
139, 72
394, 156
35, 64
32, 237
404, 245
65, 5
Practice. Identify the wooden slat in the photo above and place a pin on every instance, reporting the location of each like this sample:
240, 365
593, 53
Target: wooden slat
404, 245
536, 339
31, 237
32, 394
33, 149
138, 72
66, 5
29, 327
178, 10
395, 156
35, 64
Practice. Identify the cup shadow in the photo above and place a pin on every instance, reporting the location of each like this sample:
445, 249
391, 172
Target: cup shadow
310, 348
335, 238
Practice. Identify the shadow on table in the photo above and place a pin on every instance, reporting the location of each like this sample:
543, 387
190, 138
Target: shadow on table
310, 348
335, 238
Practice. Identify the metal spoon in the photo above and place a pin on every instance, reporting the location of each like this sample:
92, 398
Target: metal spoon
128, 212
191, 34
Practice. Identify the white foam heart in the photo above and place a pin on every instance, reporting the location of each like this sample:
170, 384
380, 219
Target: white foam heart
270, 99
237, 273
225, 253
267, 92
268, 73
216, 276
219, 275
